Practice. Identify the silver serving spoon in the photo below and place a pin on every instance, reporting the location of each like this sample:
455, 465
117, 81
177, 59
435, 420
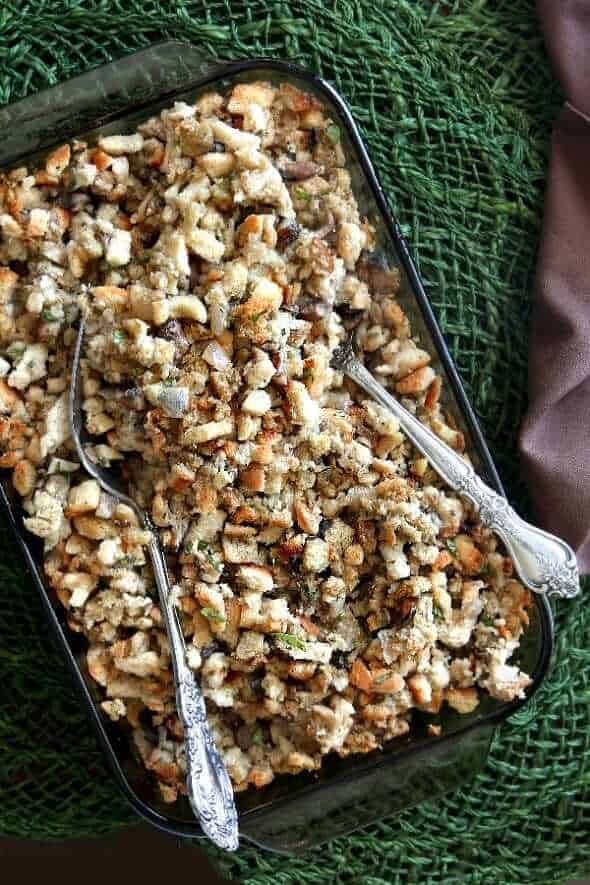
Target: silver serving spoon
209, 787
544, 563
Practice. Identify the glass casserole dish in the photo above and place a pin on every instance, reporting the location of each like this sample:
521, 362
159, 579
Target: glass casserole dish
293, 812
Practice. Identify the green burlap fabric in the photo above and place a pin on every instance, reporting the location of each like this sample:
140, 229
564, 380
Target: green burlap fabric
456, 101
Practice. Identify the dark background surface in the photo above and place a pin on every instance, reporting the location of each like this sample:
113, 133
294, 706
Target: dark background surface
139, 854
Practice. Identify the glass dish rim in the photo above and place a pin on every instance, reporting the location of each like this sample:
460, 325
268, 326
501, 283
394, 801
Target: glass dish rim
222, 69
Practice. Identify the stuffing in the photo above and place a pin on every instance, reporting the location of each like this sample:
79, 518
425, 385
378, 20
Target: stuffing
205, 244
58, 160
316, 556
463, 700
80, 585
330, 726
24, 478
31, 367
8, 284
208, 431
506, 682
267, 186
117, 145
234, 139
83, 498
304, 410
251, 645
258, 402
259, 370
188, 307
47, 518
327, 583
256, 578
118, 251
351, 240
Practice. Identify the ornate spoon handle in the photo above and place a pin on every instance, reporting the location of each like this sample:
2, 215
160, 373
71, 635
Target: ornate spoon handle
546, 564
209, 787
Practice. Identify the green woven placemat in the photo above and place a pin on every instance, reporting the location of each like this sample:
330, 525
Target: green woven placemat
456, 100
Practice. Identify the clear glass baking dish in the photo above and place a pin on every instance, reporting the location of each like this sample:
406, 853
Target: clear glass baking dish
294, 812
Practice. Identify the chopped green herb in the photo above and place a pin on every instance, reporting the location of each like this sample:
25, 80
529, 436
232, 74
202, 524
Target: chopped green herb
31, 364
119, 336
258, 736
256, 316
308, 592
203, 546
486, 571
169, 381
439, 614
302, 194
17, 348
291, 640
48, 316
61, 466
214, 563
127, 561
382, 678
451, 545
213, 614
487, 621
333, 133
188, 547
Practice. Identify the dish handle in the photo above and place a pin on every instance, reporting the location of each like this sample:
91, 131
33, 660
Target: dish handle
98, 97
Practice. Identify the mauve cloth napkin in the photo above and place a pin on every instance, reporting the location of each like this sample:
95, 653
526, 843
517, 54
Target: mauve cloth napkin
555, 436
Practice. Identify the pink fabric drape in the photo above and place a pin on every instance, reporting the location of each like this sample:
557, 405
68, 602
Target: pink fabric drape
555, 436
